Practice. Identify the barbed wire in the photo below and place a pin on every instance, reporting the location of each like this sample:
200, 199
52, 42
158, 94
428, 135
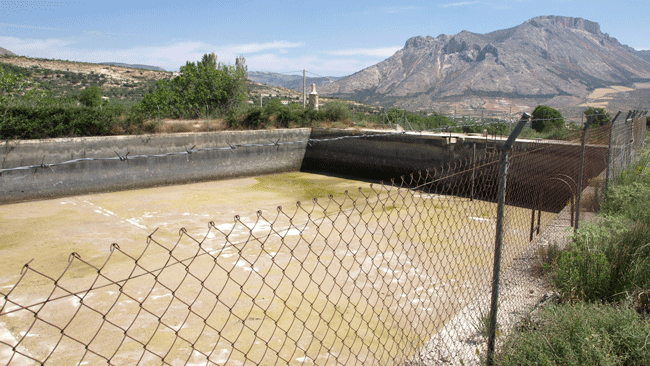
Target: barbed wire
193, 150
126, 157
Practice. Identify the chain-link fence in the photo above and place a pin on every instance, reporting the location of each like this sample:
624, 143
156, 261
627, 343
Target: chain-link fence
398, 273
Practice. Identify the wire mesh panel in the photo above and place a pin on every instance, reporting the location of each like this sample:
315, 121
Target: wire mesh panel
395, 273
620, 148
365, 278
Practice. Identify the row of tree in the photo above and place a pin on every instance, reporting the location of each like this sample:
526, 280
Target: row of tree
547, 120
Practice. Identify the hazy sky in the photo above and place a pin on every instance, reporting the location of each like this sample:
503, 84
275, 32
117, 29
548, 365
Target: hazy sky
328, 38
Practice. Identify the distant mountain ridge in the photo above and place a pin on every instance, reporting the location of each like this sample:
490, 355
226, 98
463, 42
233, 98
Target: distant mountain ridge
6, 52
544, 57
134, 66
644, 54
288, 81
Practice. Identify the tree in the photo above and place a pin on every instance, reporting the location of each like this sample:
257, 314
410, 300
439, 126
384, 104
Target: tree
601, 119
546, 119
91, 96
201, 86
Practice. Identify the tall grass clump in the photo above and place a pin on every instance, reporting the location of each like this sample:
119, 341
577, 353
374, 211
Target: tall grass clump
603, 277
606, 262
610, 260
582, 334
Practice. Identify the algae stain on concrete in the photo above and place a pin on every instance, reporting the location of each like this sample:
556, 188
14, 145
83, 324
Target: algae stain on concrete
305, 186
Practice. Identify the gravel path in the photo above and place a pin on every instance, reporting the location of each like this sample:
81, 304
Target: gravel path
460, 341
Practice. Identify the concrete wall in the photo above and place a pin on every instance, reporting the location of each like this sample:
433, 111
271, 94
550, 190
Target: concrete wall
107, 175
386, 157
531, 174
382, 157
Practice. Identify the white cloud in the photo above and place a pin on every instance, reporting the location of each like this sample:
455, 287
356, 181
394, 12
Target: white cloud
462, 3
318, 65
397, 9
371, 52
257, 47
276, 56
169, 56
17, 45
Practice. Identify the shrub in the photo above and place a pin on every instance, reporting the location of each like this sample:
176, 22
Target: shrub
611, 259
582, 334
337, 111
249, 117
606, 262
601, 119
91, 96
545, 119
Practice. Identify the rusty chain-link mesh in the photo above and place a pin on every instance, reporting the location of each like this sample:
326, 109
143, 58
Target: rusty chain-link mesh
389, 274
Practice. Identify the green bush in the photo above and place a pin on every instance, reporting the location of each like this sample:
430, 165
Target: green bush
337, 111
91, 96
545, 119
601, 119
56, 117
582, 334
582, 272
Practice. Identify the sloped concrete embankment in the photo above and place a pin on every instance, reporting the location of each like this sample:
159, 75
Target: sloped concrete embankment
181, 158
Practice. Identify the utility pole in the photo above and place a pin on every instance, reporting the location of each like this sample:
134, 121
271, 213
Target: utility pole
304, 103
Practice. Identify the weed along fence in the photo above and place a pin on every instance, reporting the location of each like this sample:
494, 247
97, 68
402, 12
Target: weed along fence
421, 270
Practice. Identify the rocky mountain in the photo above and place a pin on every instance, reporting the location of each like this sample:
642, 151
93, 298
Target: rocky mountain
134, 66
644, 54
288, 81
6, 52
543, 58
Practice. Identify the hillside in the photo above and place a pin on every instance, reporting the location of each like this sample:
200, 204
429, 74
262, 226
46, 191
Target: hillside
545, 58
288, 81
6, 52
126, 83
68, 77
644, 54
134, 66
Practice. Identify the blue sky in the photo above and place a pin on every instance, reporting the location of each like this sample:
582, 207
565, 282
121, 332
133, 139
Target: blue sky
328, 38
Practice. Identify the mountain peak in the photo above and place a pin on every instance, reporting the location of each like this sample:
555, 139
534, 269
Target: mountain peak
567, 22
544, 57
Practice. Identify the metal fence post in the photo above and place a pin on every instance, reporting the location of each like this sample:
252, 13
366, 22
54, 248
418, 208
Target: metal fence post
471, 195
610, 153
582, 167
501, 196
630, 139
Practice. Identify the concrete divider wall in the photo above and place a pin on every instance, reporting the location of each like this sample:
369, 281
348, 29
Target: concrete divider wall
108, 175
383, 157
387, 157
